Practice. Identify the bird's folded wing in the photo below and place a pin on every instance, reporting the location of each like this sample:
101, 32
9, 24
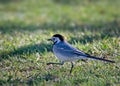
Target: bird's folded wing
72, 50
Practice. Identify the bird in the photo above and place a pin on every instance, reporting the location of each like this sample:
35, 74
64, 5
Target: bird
65, 52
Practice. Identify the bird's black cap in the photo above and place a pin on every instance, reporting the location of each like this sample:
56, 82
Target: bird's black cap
59, 36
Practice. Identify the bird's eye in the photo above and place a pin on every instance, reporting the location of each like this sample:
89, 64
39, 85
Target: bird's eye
53, 38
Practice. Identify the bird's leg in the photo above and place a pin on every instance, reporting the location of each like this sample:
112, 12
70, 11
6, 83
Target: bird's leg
60, 63
72, 65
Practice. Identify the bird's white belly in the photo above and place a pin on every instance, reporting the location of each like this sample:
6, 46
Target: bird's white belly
61, 57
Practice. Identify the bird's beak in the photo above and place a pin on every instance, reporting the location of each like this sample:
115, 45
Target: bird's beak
49, 39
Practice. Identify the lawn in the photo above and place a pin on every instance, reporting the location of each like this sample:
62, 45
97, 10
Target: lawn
92, 26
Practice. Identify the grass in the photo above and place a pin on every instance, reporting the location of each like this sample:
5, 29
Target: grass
90, 25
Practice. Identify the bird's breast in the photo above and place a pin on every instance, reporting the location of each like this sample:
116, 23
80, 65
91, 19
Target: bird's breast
59, 54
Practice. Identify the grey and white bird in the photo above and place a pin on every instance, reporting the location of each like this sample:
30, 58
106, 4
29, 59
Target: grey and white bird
67, 53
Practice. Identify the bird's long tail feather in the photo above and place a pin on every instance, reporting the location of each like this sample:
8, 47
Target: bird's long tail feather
102, 59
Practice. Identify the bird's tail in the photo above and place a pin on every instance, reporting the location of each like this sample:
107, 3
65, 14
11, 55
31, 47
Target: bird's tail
102, 59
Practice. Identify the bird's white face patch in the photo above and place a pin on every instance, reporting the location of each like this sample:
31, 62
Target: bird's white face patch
56, 40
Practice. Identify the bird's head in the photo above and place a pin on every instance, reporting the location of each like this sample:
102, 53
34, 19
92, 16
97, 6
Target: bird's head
57, 38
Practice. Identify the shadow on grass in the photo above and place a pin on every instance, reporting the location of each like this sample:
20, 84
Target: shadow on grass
109, 29
29, 49
89, 39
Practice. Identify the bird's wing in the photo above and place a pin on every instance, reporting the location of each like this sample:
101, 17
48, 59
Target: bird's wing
66, 47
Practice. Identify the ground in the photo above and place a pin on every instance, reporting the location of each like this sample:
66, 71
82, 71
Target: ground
90, 25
